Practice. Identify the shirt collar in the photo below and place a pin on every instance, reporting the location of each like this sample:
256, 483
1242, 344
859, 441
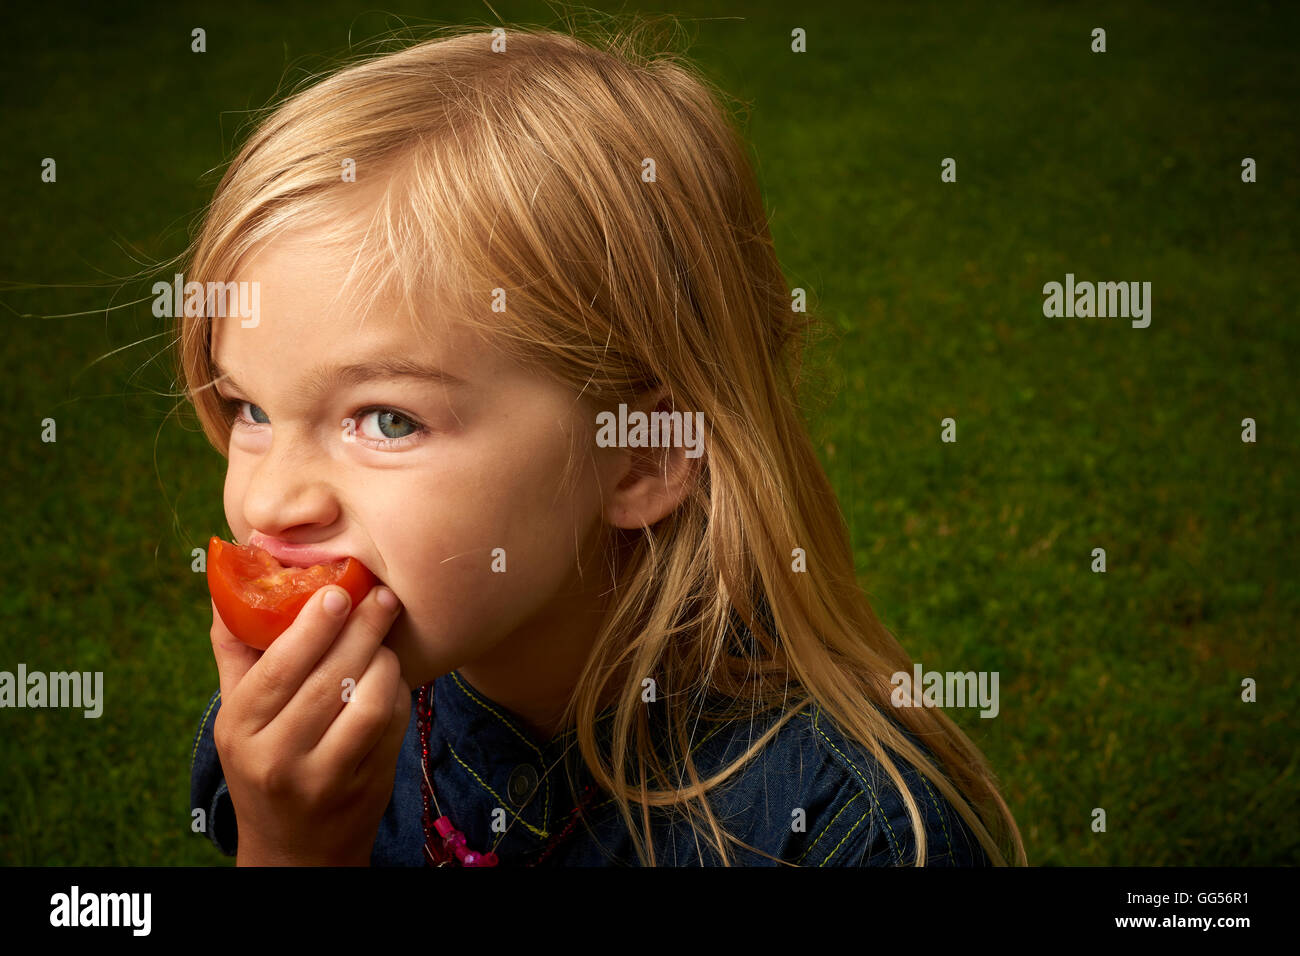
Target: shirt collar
483, 757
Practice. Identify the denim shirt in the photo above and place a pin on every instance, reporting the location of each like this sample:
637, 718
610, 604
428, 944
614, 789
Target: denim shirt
482, 759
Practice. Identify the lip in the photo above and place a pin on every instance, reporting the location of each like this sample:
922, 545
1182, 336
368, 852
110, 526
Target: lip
294, 555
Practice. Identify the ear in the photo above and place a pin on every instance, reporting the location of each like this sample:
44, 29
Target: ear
649, 473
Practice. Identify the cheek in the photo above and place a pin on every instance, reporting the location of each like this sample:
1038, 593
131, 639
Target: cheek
533, 516
232, 501
450, 565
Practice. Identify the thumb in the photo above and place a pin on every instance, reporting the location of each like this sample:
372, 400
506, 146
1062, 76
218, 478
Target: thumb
234, 657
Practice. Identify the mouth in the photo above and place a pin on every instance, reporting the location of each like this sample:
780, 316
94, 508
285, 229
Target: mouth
294, 555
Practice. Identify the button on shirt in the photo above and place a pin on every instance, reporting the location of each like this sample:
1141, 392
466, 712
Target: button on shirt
811, 796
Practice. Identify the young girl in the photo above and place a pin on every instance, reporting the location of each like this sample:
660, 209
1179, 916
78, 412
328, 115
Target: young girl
501, 277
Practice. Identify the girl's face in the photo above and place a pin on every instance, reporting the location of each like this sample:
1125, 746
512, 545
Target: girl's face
440, 468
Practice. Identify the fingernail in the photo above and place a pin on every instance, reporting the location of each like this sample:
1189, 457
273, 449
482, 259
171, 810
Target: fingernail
387, 599
336, 602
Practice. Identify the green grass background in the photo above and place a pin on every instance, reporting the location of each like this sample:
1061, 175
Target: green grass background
1119, 691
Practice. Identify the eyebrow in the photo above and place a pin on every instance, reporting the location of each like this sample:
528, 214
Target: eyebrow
323, 379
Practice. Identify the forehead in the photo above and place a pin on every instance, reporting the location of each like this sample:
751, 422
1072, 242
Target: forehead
318, 302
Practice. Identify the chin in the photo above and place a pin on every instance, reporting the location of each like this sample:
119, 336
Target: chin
417, 667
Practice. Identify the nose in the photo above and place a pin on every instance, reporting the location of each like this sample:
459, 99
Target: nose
289, 487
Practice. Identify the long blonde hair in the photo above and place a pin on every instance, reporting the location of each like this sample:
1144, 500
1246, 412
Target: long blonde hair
518, 159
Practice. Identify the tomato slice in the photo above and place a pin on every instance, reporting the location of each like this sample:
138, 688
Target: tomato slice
258, 597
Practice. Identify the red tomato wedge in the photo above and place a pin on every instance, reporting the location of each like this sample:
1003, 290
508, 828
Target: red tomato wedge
258, 597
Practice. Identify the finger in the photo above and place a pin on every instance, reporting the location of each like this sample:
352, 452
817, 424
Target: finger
278, 675
321, 698
367, 720
234, 657
382, 758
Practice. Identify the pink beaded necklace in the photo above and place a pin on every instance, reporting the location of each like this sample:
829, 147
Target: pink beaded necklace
451, 847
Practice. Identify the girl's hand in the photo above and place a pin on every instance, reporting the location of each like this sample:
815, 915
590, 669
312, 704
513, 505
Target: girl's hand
310, 772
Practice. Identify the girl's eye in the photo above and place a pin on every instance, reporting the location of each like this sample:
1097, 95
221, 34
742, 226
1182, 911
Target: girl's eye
235, 406
392, 425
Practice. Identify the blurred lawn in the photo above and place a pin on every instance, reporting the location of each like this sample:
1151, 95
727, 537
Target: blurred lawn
1118, 691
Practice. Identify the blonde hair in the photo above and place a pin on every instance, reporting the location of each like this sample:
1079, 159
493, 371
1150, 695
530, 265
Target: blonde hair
523, 169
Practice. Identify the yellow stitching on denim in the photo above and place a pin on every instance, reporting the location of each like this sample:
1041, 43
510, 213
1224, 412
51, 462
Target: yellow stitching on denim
541, 833
492, 710
202, 724
846, 836
546, 780
946, 838
893, 841
875, 802
826, 828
